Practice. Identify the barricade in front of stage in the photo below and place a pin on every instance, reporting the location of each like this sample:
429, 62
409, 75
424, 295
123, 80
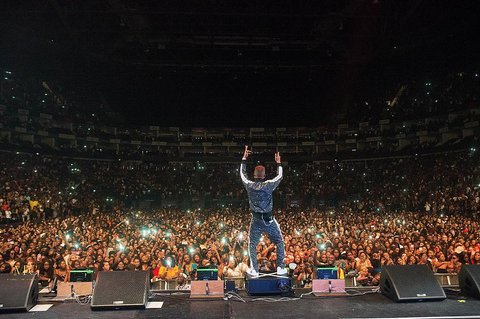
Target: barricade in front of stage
166, 285
448, 280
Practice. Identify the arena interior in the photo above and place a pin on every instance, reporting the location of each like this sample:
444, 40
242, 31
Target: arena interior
124, 124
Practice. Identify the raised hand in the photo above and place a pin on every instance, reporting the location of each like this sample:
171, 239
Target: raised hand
277, 157
246, 152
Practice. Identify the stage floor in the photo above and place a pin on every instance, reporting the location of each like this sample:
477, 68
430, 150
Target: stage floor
180, 306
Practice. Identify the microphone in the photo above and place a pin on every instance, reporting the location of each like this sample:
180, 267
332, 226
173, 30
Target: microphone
207, 290
329, 286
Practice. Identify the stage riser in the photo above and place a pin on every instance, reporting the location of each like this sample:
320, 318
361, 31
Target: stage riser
268, 286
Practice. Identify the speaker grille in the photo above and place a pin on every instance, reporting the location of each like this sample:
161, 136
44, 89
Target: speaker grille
121, 289
18, 292
411, 282
469, 280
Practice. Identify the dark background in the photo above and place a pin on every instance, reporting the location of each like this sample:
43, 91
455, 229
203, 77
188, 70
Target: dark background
217, 63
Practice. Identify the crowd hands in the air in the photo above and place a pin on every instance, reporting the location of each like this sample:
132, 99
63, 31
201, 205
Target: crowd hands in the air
409, 211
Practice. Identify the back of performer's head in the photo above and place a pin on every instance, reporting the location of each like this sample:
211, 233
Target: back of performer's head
259, 172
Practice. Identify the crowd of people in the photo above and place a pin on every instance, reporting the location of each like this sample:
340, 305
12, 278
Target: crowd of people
58, 214
35, 105
421, 98
62, 214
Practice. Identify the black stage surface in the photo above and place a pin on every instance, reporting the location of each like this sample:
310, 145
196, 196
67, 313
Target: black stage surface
365, 306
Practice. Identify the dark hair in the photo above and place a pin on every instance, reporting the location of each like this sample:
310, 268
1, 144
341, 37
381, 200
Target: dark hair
8, 268
42, 270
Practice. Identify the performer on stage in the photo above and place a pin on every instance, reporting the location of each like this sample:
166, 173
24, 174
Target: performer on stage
260, 199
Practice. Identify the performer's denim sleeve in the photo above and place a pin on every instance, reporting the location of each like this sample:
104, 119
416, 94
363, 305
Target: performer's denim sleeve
243, 174
273, 183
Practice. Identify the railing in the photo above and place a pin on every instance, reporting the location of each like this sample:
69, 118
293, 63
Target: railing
445, 280
166, 285
239, 281
449, 280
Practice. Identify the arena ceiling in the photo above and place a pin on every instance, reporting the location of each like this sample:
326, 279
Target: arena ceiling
238, 63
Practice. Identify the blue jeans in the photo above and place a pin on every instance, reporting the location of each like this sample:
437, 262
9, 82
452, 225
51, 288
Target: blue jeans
272, 228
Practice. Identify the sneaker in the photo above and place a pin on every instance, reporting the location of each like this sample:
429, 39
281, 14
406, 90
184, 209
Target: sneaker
282, 271
252, 273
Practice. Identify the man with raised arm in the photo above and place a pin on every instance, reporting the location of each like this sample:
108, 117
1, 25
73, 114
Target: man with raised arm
260, 200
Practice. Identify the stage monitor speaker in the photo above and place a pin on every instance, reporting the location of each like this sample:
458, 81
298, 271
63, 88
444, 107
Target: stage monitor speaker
469, 280
410, 283
267, 285
121, 289
18, 292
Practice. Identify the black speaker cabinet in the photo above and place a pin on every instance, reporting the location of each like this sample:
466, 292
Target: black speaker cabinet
410, 283
18, 292
469, 280
121, 289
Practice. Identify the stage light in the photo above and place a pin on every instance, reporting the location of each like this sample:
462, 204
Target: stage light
240, 236
76, 246
221, 225
67, 236
322, 246
191, 250
224, 241
127, 222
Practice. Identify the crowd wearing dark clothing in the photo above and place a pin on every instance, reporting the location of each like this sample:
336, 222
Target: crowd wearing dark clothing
355, 215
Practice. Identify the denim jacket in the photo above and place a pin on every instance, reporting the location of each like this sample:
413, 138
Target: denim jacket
260, 191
